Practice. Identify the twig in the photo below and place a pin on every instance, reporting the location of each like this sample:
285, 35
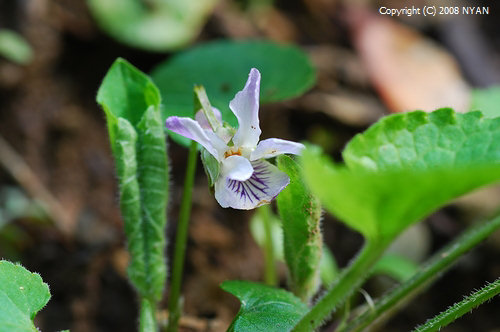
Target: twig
15, 165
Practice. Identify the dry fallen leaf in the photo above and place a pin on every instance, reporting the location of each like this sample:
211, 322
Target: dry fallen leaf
408, 70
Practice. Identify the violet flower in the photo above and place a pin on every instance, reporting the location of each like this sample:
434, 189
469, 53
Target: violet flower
246, 180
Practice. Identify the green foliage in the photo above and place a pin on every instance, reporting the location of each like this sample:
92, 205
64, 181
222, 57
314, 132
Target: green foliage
154, 25
132, 106
328, 266
147, 321
404, 167
328, 269
14, 47
222, 68
300, 213
211, 167
126, 93
264, 308
430, 271
487, 101
210, 164
420, 141
397, 267
22, 295
258, 230
461, 308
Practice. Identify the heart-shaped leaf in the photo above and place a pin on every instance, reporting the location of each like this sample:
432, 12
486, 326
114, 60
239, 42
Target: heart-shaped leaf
222, 67
264, 308
422, 141
22, 295
404, 167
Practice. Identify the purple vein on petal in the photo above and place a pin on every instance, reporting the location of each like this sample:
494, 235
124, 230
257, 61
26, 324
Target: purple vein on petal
256, 188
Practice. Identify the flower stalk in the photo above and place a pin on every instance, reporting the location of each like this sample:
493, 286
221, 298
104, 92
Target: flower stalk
181, 240
270, 275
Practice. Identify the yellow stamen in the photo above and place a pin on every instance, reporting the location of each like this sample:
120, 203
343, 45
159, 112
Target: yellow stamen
232, 153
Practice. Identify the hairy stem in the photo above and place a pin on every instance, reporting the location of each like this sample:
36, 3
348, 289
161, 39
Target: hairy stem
349, 280
181, 240
429, 272
147, 319
270, 277
461, 308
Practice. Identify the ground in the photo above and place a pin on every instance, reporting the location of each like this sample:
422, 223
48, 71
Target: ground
50, 120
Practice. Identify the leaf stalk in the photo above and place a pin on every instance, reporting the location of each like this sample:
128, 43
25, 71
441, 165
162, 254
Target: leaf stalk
441, 261
350, 279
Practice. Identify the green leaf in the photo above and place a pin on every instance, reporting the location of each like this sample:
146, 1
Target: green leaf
14, 47
397, 267
328, 266
421, 141
222, 67
211, 167
155, 25
257, 228
487, 101
22, 295
300, 213
126, 93
264, 308
131, 102
329, 270
404, 167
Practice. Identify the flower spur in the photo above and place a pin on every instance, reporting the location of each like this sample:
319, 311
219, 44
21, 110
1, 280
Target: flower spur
246, 180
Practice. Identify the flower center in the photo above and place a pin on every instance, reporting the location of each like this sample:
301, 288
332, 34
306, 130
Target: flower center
232, 152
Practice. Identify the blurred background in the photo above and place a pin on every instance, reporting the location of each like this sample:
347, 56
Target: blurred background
59, 211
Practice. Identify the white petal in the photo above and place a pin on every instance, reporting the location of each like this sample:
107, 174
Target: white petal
245, 106
266, 182
272, 147
217, 142
202, 119
191, 129
237, 168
